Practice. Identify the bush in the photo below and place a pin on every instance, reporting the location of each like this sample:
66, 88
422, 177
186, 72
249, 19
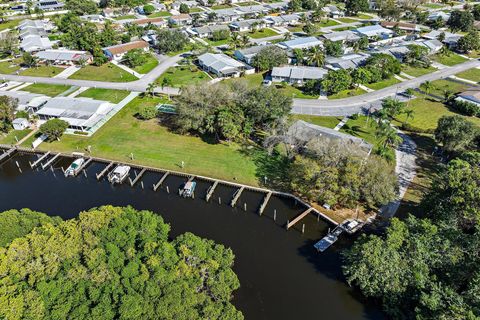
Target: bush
53, 129
148, 9
135, 58
410, 128
466, 108
147, 112
22, 114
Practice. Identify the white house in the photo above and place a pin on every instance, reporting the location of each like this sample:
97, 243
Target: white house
247, 25
20, 124
220, 65
375, 31
208, 31
297, 75
65, 57
246, 55
180, 19
283, 20
333, 11
300, 43
35, 43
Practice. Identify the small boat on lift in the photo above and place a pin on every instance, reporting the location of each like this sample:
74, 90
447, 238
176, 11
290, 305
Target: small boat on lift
119, 174
188, 189
75, 167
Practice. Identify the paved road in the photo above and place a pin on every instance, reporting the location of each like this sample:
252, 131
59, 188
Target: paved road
139, 85
358, 103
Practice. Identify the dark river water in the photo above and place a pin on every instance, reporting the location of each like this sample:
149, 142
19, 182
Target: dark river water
281, 274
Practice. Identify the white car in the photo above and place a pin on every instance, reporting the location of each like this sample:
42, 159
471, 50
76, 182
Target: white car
266, 83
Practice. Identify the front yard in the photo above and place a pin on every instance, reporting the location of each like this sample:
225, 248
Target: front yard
113, 96
51, 90
107, 72
42, 71
449, 60
383, 84
471, 74
417, 71
347, 93
262, 33
148, 66
323, 121
8, 67
182, 76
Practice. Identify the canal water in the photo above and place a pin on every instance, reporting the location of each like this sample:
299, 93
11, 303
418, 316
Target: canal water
281, 274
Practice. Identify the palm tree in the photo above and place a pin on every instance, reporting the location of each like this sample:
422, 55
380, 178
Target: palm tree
244, 40
448, 95
287, 36
388, 136
151, 89
235, 40
315, 56
409, 113
426, 87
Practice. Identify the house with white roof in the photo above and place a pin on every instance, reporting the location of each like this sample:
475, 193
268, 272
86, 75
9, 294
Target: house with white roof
246, 55
247, 25
208, 31
438, 15
82, 114
64, 57
349, 61
375, 31
344, 36
35, 44
283, 20
297, 75
190, 4
333, 11
221, 65
27, 101
20, 124
471, 96
300, 43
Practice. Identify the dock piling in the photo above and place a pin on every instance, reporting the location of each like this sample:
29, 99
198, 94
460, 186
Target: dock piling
299, 217
264, 203
33, 165
274, 215
102, 173
137, 177
219, 200
236, 196
303, 228
168, 189
162, 179
211, 190
245, 206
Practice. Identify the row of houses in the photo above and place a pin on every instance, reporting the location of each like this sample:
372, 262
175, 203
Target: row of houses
33, 35
44, 5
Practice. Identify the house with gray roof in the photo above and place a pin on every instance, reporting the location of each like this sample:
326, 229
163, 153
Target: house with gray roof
344, 36
375, 31
221, 65
27, 101
227, 15
471, 96
246, 55
208, 31
304, 132
283, 20
247, 25
35, 44
300, 43
349, 61
65, 57
297, 75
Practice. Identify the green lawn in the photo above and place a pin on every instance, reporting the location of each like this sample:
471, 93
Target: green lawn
347, 20
107, 72
471, 74
432, 5
221, 6
113, 96
449, 60
328, 122
347, 93
383, 84
11, 24
8, 67
155, 145
361, 128
51, 90
127, 17
195, 10
295, 92
10, 137
217, 42
417, 71
263, 33
427, 112
326, 23
363, 16
252, 80
182, 76
160, 14
246, 4
440, 86
148, 66
298, 28
344, 29
42, 71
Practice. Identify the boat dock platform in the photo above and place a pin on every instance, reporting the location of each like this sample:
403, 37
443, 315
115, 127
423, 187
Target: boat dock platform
159, 183
211, 190
329, 239
83, 166
132, 182
7, 154
102, 173
50, 161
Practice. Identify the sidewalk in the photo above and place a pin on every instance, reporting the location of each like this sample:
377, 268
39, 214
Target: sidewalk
67, 72
26, 84
124, 67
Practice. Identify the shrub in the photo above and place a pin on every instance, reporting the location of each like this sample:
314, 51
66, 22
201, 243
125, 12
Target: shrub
148, 9
53, 128
147, 112
466, 108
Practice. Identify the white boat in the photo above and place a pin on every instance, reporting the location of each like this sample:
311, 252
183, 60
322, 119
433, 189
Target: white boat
75, 167
119, 174
189, 189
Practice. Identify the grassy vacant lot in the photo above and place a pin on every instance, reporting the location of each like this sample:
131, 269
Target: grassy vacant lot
51, 90
383, 84
440, 86
113, 96
328, 122
417, 71
246, 4
471, 74
160, 14
363, 16
347, 20
347, 93
253, 80
154, 145
148, 66
326, 23
182, 76
12, 24
107, 72
221, 6
8, 67
10, 137
449, 60
42, 71
217, 43
127, 17
295, 92
262, 33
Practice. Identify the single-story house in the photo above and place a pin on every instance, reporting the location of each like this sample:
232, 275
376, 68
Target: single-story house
220, 65
471, 96
254, 10
50, 5
158, 22
117, 51
109, 13
180, 19
305, 132
20, 124
176, 5
346, 36
333, 11
408, 27
81, 113
283, 20
433, 46
227, 15
375, 31
349, 61
66, 57
398, 52
300, 43
27, 32
208, 31
297, 75
247, 25
27, 101
438, 14
246, 55
94, 18
35, 44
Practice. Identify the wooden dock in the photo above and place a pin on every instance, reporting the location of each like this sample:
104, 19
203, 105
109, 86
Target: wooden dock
159, 183
104, 171
236, 196
83, 166
132, 183
50, 162
39, 160
299, 217
211, 190
7, 154
264, 203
